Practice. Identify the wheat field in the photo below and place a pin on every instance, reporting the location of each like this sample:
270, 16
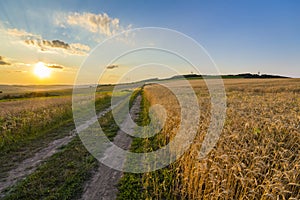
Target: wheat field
257, 155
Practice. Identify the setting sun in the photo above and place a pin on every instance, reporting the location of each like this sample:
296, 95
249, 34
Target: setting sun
41, 70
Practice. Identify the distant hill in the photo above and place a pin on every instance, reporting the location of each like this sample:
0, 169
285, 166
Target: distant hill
197, 76
249, 75
244, 75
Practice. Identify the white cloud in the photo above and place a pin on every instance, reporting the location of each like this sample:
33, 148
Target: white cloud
95, 23
79, 46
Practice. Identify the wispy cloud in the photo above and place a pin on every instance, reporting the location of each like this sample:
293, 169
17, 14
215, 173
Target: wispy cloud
44, 44
79, 46
12, 66
48, 45
112, 66
16, 64
95, 23
16, 71
55, 66
3, 61
21, 34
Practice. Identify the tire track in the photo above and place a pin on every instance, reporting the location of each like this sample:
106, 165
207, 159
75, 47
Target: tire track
29, 165
103, 184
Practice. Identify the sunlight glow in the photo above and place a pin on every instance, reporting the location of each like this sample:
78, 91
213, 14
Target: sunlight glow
41, 70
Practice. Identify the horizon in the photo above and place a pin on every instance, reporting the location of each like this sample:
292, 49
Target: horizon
235, 76
46, 43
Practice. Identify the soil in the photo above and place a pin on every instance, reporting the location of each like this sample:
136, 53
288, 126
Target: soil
103, 184
29, 165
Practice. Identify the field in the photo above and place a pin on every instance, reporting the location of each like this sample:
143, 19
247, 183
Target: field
255, 157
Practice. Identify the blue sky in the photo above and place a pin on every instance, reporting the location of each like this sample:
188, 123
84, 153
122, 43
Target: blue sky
240, 36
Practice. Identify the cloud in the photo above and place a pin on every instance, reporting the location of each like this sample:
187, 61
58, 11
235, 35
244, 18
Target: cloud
19, 71
80, 46
95, 23
54, 66
101, 23
112, 66
3, 61
46, 45
57, 44
21, 34
14, 71
13, 64
43, 44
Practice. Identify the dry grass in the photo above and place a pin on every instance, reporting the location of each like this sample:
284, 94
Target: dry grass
23, 117
20, 118
257, 155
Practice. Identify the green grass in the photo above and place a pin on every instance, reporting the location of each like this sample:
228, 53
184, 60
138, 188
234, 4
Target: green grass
107, 122
63, 175
133, 96
108, 125
23, 149
36, 138
60, 177
151, 185
130, 186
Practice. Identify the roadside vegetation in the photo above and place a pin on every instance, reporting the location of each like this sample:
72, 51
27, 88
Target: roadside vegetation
64, 175
59, 177
27, 126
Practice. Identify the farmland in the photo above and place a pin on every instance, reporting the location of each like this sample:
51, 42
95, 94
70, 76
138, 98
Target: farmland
255, 157
33, 128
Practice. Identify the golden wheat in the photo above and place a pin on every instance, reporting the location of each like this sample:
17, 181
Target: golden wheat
27, 116
257, 155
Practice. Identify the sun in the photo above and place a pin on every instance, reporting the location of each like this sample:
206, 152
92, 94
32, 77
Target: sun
41, 70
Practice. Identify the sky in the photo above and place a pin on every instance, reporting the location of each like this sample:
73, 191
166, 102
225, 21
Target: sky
46, 42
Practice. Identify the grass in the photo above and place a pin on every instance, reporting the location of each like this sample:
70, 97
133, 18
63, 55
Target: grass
21, 150
36, 137
11, 92
29, 95
133, 186
130, 186
257, 155
26, 119
108, 125
64, 175
60, 177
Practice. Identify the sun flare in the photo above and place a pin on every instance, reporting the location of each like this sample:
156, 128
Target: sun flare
41, 70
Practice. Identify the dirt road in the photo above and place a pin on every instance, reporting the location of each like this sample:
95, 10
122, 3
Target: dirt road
103, 184
29, 165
